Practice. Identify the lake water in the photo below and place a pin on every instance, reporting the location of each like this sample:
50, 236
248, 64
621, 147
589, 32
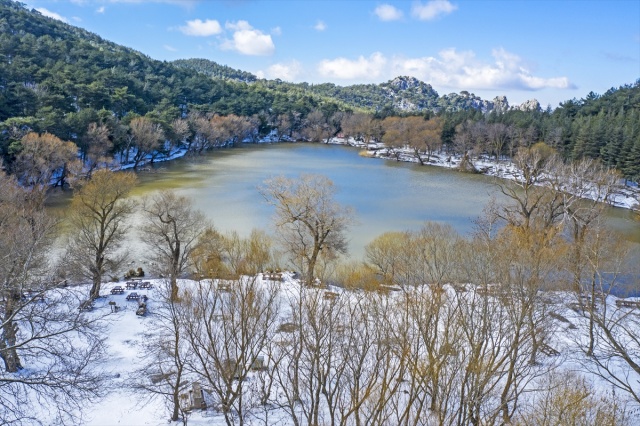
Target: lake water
386, 195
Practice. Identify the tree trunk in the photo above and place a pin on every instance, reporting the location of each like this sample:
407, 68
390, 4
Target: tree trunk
312, 263
176, 396
97, 278
8, 351
176, 405
175, 264
592, 312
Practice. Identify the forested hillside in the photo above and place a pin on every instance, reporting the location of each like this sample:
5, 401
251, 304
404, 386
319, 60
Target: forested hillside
116, 104
55, 77
215, 70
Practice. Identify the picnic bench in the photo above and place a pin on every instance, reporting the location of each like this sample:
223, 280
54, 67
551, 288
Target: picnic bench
330, 295
132, 285
272, 276
627, 303
33, 296
117, 290
259, 364
145, 285
133, 296
197, 396
548, 350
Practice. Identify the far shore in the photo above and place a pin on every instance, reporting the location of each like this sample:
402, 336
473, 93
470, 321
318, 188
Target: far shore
628, 198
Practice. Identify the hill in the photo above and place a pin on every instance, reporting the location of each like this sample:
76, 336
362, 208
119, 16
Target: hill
215, 70
60, 79
52, 69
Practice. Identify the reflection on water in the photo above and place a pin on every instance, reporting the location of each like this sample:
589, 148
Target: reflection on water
386, 195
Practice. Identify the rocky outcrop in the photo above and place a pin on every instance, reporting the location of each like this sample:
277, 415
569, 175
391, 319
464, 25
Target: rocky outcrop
500, 104
530, 105
410, 94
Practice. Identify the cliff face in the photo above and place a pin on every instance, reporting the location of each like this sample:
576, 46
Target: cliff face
410, 94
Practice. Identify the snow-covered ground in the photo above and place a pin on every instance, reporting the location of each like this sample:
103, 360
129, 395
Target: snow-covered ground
127, 332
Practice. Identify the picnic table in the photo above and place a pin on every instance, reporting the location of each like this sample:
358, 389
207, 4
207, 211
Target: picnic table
133, 296
117, 290
272, 276
132, 285
627, 304
145, 285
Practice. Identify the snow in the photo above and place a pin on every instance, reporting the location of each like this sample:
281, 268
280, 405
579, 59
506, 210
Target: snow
125, 332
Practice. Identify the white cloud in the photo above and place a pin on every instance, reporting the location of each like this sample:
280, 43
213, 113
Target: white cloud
320, 26
361, 68
276, 31
51, 14
170, 48
200, 28
462, 70
284, 71
387, 12
247, 40
101, 9
459, 70
432, 9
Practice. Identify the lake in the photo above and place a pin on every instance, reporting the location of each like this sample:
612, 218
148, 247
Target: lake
386, 195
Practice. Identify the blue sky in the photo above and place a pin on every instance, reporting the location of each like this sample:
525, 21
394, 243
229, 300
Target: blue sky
551, 50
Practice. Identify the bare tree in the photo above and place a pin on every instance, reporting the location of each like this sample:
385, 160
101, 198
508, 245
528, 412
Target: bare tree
386, 255
166, 354
569, 399
228, 328
147, 137
497, 138
239, 128
171, 230
310, 222
532, 202
396, 135
179, 132
587, 187
97, 145
44, 160
247, 256
315, 127
98, 214
49, 348
613, 348
203, 132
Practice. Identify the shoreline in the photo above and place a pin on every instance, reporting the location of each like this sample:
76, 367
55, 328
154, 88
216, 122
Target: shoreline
628, 199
